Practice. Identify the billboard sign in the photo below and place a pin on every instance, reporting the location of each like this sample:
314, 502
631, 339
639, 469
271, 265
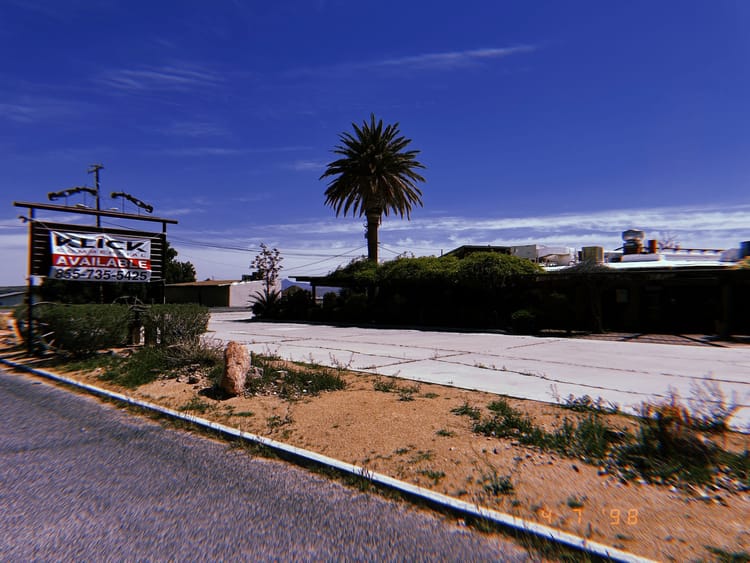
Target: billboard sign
99, 257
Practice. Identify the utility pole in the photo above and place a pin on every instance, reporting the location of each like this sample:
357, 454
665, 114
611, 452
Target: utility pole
94, 168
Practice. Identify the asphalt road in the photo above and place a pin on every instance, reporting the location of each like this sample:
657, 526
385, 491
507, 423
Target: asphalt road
83, 481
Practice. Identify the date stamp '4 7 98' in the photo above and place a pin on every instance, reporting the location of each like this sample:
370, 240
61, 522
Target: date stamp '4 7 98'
617, 517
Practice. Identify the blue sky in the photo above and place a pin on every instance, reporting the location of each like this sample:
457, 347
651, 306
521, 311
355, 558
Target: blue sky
538, 122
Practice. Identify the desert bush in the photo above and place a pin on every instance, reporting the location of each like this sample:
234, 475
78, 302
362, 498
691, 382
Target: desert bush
266, 304
81, 330
667, 444
170, 324
710, 408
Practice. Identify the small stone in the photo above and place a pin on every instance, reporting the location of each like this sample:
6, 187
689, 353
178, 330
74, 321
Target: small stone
575, 468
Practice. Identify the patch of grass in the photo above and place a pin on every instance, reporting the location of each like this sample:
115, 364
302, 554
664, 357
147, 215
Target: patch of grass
275, 421
196, 404
422, 456
587, 404
405, 392
92, 363
723, 556
144, 366
149, 363
288, 382
496, 484
575, 502
589, 437
385, 385
432, 474
738, 464
467, 410
430, 395
244, 413
402, 451
445, 433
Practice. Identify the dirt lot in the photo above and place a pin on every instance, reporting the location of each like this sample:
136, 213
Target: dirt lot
419, 440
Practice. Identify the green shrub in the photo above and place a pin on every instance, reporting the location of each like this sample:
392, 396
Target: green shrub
295, 303
170, 324
360, 272
490, 270
81, 330
523, 321
425, 270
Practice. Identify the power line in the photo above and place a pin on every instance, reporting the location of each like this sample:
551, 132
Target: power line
348, 252
195, 243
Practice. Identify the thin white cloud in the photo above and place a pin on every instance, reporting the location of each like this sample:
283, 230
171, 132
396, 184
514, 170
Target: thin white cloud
307, 165
224, 151
202, 151
446, 60
253, 198
33, 109
194, 129
180, 211
451, 59
179, 78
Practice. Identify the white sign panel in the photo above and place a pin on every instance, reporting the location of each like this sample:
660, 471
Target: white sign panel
100, 257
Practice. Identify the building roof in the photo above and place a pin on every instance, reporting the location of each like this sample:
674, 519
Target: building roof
206, 283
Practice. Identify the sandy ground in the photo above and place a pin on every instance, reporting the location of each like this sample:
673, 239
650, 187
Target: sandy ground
421, 441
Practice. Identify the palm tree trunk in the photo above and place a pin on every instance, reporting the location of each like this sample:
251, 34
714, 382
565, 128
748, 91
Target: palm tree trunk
373, 224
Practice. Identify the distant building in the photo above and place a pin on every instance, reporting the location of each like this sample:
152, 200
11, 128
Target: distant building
539, 253
216, 293
11, 296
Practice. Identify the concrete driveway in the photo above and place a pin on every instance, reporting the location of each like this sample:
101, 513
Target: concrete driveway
626, 373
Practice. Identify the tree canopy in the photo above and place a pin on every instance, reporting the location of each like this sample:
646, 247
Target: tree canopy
375, 176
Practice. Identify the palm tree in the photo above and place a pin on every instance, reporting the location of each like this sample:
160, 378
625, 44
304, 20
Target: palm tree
374, 176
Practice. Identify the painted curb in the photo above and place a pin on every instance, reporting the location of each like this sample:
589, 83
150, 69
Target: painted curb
456, 505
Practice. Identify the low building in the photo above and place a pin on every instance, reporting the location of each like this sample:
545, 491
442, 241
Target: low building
216, 293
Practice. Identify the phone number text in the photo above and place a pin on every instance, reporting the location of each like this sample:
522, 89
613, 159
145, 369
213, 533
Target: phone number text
100, 274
